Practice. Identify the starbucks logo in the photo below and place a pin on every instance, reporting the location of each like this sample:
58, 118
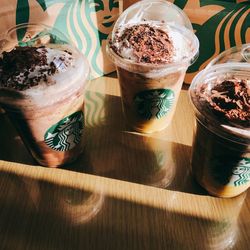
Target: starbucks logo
66, 134
154, 103
241, 174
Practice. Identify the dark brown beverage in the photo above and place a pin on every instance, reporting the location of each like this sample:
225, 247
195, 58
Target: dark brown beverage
221, 151
42, 92
152, 52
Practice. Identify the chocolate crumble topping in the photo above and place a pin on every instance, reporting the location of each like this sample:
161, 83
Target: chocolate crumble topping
25, 67
149, 44
231, 100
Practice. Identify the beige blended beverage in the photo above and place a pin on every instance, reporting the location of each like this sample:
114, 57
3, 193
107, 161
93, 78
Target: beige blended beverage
42, 82
152, 45
221, 149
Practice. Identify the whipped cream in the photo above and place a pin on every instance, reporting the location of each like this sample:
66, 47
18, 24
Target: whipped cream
25, 67
181, 44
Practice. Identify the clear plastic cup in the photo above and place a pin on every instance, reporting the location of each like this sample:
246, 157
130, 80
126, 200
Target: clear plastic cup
49, 116
150, 92
221, 149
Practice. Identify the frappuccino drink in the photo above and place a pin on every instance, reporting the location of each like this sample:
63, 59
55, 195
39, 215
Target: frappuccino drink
221, 151
152, 51
42, 91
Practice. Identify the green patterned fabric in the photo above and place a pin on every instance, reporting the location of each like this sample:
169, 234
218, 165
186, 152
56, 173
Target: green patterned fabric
88, 23
227, 27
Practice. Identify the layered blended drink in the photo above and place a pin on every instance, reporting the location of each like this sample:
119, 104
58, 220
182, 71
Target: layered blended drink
42, 92
221, 149
152, 54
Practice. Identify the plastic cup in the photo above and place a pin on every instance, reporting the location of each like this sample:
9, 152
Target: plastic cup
48, 117
149, 92
221, 150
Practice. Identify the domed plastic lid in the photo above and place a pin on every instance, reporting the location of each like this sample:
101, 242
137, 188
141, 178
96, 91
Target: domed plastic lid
39, 63
157, 10
233, 65
237, 54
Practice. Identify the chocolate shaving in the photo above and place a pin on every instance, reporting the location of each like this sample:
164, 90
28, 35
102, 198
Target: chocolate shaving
149, 44
25, 67
231, 100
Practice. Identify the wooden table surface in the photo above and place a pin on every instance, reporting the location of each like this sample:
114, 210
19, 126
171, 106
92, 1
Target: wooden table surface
126, 191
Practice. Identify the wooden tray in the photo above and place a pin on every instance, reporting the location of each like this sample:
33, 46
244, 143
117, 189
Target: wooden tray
126, 191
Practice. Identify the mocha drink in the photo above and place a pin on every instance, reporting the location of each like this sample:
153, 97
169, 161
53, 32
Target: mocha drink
42, 92
151, 54
221, 149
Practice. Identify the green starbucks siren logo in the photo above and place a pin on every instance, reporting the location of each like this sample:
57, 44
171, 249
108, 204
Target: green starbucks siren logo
154, 103
65, 134
241, 174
